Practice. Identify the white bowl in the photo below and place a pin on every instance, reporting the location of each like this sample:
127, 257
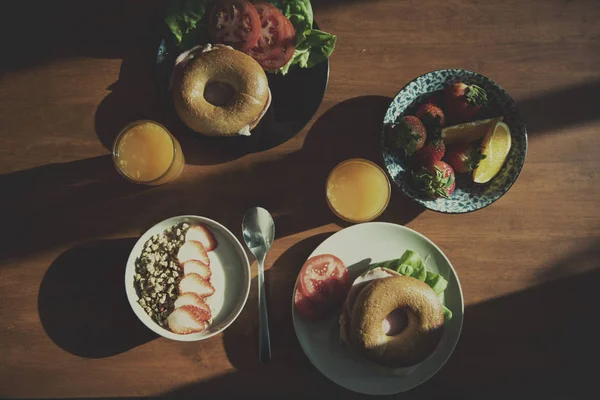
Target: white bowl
230, 277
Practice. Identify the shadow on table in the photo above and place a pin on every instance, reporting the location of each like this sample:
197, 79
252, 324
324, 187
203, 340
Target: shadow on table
51, 205
289, 373
347, 130
241, 340
68, 28
561, 108
541, 342
538, 342
60, 203
82, 302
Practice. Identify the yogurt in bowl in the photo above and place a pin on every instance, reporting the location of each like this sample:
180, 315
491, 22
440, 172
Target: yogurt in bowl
225, 292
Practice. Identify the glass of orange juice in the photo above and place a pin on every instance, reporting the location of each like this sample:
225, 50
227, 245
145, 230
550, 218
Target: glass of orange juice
358, 190
146, 152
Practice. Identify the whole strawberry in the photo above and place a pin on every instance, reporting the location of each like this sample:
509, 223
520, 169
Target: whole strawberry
464, 157
432, 151
408, 134
434, 98
435, 180
463, 101
431, 115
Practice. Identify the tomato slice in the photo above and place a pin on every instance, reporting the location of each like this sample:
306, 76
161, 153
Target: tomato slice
235, 23
277, 39
287, 48
324, 280
306, 308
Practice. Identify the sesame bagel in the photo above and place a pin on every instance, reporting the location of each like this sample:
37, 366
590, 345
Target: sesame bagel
423, 331
222, 65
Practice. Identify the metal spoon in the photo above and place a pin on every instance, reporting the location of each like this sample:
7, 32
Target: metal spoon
258, 229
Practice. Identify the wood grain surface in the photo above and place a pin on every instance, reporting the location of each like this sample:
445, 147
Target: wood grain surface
73, 73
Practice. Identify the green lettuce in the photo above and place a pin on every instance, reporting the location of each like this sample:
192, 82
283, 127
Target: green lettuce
186, 21
411, 264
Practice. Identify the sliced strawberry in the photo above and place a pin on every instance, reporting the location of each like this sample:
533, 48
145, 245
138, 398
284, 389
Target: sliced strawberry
197, 267
187, 319
192, 250
192, 299
306, 308
202, 234
195, 284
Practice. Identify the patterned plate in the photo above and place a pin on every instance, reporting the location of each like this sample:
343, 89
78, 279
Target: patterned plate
468, 196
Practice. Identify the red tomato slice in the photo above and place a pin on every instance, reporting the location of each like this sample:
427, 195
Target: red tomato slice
306, 308
234, 22
277, 39
287, 48
324, 280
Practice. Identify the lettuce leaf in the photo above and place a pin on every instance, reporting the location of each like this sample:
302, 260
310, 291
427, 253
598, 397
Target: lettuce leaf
185, 19
411, 264
447, 313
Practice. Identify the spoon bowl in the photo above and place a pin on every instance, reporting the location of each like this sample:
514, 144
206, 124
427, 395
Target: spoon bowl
258, 229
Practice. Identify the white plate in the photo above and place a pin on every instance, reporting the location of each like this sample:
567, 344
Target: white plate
358, 246
230, 277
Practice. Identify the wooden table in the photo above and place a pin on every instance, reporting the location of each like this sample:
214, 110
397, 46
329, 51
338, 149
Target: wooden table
73, 74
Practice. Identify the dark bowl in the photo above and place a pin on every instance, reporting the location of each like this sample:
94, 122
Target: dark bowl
296, 97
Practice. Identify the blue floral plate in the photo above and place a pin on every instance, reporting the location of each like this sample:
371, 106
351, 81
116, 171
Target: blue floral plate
468, 196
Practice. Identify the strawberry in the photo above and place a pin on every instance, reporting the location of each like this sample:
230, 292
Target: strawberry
202, 234
192, 250
435, 180
463, 101
432, 151
187, 319
409, 134
464, 157
435, 98
431, 115
192, 299
193, 283
197, 267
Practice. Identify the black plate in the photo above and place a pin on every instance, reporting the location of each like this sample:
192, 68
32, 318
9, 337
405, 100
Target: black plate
295, 99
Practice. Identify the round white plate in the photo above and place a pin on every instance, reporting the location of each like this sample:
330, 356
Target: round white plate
230, 269
358, 246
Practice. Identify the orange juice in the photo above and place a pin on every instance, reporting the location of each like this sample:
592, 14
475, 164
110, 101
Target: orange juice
146, 152
358, 190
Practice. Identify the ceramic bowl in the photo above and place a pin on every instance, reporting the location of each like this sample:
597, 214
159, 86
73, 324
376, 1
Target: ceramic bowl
230, 276
468, 196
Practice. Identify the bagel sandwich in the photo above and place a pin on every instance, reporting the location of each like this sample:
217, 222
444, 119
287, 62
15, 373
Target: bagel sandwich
372, 328
219, 91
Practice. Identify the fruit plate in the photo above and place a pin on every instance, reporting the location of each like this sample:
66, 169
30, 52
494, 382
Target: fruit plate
468, 196
296, 97
230, 276
358, 246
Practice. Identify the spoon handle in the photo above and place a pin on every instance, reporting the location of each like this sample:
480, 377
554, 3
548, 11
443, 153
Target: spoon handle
264, 340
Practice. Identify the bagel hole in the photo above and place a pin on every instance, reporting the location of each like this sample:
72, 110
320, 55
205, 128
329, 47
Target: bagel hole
395, 322
218, 93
